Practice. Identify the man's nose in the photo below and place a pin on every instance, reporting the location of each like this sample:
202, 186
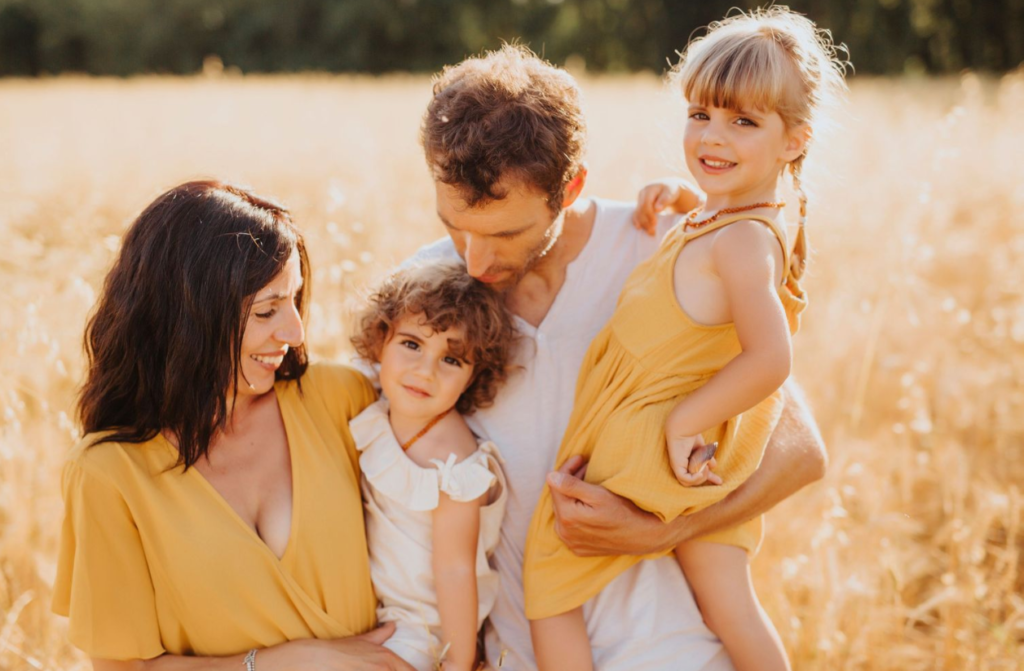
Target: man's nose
478, 255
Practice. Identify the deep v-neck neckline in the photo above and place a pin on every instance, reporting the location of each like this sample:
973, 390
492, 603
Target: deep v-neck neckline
230, 510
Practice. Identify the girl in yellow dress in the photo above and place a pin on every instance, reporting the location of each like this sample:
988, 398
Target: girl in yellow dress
699, 345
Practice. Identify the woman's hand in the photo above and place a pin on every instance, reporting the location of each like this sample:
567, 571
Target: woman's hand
654, 198
355, 653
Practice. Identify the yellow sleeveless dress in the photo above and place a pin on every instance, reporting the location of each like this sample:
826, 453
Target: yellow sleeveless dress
647, 358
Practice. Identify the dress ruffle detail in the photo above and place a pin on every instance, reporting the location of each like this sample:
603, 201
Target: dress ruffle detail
392, 473
469, 479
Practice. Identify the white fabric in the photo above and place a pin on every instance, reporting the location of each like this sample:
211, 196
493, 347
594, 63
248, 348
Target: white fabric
400, 497
646, 618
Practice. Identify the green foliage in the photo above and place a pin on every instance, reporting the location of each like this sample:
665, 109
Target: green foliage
123, 37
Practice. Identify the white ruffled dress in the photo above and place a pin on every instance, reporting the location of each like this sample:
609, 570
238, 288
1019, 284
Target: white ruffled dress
400, 497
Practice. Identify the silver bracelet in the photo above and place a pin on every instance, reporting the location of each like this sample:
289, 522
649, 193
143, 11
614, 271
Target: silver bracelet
250, 660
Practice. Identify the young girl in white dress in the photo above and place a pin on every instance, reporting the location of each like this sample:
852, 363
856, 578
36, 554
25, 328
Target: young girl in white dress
434, 494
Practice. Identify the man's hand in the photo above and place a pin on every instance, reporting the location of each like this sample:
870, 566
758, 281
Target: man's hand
592, 521
654, 198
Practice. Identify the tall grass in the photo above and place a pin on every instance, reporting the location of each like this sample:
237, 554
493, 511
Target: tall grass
907, 556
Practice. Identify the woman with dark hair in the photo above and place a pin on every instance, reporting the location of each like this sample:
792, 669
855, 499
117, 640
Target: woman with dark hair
212, 511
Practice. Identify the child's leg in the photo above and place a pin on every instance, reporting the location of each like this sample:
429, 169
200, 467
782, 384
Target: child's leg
719, 576
560, 643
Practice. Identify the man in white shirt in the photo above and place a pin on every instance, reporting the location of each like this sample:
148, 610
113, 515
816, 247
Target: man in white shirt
504, 139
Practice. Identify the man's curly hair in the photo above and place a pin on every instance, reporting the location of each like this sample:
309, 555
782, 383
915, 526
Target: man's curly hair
444, 296
504, 114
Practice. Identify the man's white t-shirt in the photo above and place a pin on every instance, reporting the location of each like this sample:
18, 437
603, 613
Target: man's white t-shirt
646, 618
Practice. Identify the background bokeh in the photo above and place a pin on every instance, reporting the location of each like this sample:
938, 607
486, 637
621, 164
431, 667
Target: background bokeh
121, 37
906, 557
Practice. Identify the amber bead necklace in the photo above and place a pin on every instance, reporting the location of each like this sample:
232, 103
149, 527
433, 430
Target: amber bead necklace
691, 218
430, 425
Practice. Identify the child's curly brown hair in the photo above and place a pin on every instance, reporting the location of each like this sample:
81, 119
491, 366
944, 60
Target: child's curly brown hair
444, 295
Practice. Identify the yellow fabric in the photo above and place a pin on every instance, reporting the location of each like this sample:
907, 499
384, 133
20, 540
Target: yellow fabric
154, 560
647, 358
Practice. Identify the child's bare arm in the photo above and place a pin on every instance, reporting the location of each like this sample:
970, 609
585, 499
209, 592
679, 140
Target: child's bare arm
455, 536
744, 257
456, 528
671, 193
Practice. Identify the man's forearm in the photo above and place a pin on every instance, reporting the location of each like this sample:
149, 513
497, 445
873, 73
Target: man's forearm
592, 521
794, 458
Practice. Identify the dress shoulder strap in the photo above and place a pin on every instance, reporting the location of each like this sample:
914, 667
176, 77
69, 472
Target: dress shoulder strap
772, 224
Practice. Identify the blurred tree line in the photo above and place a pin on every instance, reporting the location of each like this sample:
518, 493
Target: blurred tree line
123, 37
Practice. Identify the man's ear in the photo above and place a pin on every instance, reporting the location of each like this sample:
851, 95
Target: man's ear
575, 187
797, 140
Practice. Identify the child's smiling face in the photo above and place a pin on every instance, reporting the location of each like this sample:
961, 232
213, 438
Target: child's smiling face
736, 156
422, 372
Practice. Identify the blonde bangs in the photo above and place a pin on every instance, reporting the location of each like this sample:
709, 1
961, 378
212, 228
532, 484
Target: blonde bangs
773, 60
750, 71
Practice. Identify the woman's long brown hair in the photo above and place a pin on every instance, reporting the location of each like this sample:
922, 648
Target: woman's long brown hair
164, 344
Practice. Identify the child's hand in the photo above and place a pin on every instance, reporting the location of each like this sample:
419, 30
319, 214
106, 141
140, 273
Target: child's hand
692, 461
654, 198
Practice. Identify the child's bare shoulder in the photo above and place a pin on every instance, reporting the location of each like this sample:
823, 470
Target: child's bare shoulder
745, 238
450, 436
744, 231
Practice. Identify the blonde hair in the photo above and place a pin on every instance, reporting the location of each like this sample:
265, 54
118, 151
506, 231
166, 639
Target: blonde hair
770, 59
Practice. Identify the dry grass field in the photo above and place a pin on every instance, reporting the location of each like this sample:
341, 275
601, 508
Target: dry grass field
907, 556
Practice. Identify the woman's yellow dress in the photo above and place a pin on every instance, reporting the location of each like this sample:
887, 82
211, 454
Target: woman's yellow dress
647, 358
153, 560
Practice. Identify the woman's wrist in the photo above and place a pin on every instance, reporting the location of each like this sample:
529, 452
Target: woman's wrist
268, 660
275, 658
